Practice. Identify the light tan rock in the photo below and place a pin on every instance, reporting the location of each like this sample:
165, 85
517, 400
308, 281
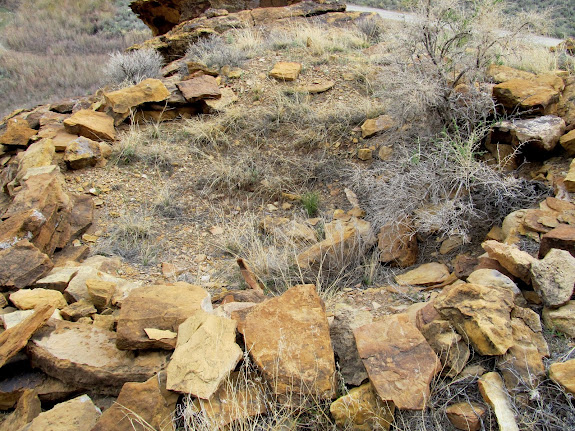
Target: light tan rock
78, 414
107, 322
205, 355
377, 125
86, 356
158, 334
101, 292
91, 124
14, 339
162, 307
362, 410
526, 95
494, 393
285, 230
120, 103
316, 87
286, 71
278, 334
553, 277
146, 403
500, 73
346, 319
240, 397
480, 314
466, 416
515, 261
200, 88
561, 319
39, 154
13, 318
57, 279
28, 299
82, 153
365, 154
398, 360
18, 133
228, 98
570, 178
77, 288
567, 141
563, 373
427, 274
78, 310
27, 409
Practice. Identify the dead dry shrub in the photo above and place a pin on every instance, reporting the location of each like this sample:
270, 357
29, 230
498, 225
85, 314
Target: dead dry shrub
133, 67
214, 51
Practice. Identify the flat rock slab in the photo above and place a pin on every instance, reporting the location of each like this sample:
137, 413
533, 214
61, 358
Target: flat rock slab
78, 414
15, 339
561, 319
563, 373
525, 94
200, 88
427, 274
21, 264
286, 71
28, 299
87, 356
373, 126
205, 355
398, 360
91, 124
148, 402
480, 314
493, 392
516, 261
18, 133
288, 338
540, 133
162, 307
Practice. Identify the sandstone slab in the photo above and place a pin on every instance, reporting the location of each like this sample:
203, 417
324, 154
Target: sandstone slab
82, 153
77, 310
561, 319
466, 416
427, 274
480, 314
567, 141
563, 373
57, 279
28, 299
398, 360
200, 88
21, 264
526, 95
18, 133
162, 307
494, 393
286, 70
86, 356
78, 414
362, 410
140, 406
205, 355
373, 126
536, 134
91, 124
492, 277
515, 261
569, 180
27, 409
562, 237
553, 277
288, 339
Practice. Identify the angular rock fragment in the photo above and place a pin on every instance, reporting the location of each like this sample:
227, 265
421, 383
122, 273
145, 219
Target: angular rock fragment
553, 277
515, 261
377, 125
162, 307
427, 274
27, 409
286, 71
494, 393
449, 346
397, 244
18, 133
466, 416
398, 360
78, 414
92, 125
480, 314
21, 264
57, 279
199, 88
288, 339
28, 299
562, 237
82, 153
526, 95
561, 319
563, 373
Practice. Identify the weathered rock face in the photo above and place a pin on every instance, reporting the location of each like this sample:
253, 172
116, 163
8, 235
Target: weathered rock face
120, 103
346, 319
27, 409
239, 397
562, 237
561, 319
362, 410
373, 126
397, 244
149, 402
199, 88
553, 277
288, 338
493, 392
21, 264
81, 153
78, 414
466, 416
91, 124
87, 357
480, 314
492, 277
515, 261
18, 133
563, 373
158, 307
163, 15
398, 360
526, 95
205, 355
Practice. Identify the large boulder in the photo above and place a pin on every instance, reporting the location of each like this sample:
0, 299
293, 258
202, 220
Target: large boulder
480, 314
91, 124
205, 355
288, 339
87, 356
398, 360
162, 307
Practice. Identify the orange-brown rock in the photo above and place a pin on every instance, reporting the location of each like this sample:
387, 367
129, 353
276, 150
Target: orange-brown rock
377, 125
286, 70
398, 360
397, 244
78, 414
18, 133
21, 264
480, 314
288, 339
466, 416
563, 373
138, 403
27, 409
527, 95
562, 237
82, 153
516, 261
199, 88
162, 307
91, 124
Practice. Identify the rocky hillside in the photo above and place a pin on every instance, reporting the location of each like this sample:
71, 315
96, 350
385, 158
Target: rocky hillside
294, 217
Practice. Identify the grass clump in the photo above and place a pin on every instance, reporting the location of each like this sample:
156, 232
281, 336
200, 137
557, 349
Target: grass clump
215, 52
310, 203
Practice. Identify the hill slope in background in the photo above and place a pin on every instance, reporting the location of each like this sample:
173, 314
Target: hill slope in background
563, 14
52, 50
